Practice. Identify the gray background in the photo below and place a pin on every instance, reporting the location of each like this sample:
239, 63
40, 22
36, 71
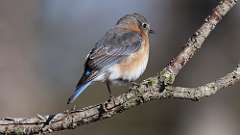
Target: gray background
43, 44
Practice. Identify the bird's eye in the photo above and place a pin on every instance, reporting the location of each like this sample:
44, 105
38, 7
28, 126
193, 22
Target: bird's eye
144, 25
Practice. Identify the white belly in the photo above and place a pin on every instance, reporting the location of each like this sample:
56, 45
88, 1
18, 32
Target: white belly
128, 75
114, 75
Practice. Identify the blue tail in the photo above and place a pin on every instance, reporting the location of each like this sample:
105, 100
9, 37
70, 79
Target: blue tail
78, 91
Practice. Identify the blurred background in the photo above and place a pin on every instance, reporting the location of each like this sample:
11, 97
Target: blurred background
43, 44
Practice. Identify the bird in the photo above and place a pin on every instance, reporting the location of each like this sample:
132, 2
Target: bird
119, 57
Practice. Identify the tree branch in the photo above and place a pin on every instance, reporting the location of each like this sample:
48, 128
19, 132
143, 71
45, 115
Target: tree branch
206, 90
153, 88
196, 41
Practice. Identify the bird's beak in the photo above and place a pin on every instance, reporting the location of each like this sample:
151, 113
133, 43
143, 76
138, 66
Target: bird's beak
151, 31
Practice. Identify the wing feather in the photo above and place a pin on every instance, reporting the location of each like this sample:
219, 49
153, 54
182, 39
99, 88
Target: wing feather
116, 45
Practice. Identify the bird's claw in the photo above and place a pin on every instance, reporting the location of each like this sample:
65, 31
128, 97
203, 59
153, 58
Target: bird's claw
134, 84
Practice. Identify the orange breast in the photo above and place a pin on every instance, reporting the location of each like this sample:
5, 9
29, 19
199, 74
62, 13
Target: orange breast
133, 66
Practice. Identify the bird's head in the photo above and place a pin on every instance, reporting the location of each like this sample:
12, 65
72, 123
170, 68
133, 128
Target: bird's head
136, 21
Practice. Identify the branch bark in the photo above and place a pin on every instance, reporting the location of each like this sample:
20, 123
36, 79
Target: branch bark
157, 87
206, 90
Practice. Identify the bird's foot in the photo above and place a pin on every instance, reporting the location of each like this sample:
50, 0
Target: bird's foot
110, 98
134, 84
74, 108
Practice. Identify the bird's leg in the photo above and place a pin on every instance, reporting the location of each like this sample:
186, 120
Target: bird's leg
111, 99
109, 89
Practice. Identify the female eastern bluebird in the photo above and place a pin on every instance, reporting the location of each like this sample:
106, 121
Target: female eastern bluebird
120, 56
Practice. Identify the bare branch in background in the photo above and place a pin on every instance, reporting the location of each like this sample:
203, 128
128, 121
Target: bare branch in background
153, 88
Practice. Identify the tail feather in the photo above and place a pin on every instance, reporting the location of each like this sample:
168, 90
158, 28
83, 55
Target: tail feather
80, 88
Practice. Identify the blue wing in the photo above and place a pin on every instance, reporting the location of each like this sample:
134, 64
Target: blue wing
117, 44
